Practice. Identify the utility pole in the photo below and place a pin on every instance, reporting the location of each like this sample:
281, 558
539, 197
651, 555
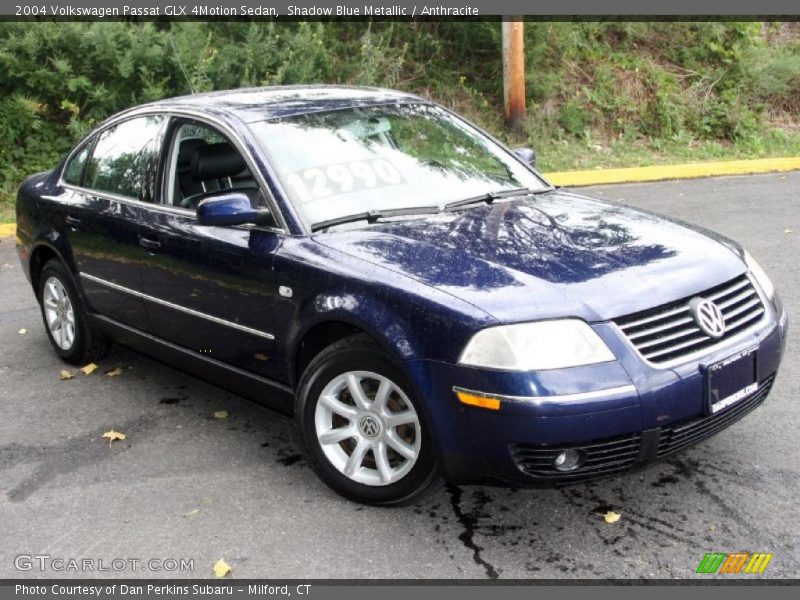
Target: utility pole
514, 72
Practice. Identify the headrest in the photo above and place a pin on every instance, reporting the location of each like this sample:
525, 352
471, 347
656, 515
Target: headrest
216, 160
187, 149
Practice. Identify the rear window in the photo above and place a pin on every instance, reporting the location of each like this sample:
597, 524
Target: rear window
74, 172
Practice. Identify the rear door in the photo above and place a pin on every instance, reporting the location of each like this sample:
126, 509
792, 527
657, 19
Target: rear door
211, 289
105, 213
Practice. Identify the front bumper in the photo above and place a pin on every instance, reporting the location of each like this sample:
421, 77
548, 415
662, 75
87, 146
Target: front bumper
619, 415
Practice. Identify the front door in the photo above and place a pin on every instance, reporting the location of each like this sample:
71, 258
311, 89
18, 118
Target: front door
211, 289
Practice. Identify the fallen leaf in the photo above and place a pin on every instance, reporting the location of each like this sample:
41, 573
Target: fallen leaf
221, 414
22, 331
89, 369
612, 517
192, 512
221, 568
114, 372
64, 375
113, 435
260, 356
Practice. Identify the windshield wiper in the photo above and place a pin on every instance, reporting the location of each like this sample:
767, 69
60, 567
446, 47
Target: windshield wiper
371, 216
488, 198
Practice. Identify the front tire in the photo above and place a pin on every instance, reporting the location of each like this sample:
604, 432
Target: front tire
362, 428
66, 318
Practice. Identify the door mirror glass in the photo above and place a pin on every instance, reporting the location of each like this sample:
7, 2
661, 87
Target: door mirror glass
232, 208
528, 155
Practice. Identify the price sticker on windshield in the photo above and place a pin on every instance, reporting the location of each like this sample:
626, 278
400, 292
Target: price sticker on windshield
317, 183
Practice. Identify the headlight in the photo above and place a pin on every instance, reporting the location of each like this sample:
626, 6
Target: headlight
760, 276
536, 346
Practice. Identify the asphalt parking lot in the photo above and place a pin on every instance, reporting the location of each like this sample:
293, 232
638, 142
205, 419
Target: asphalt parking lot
185, 484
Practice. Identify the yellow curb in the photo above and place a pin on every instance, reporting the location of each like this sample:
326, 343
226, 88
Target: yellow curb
661, 172
8, 229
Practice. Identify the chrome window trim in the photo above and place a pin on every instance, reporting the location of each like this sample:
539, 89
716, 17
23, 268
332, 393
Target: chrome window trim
576, 397
124, 199
188, 114
185, 212
194, 313
699, 354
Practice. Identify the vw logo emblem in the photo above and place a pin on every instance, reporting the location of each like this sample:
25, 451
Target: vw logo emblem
369, 426
708, 317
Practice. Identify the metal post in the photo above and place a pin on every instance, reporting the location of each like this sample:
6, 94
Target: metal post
514, 72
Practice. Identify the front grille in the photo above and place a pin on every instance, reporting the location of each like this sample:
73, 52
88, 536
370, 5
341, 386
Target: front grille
607, 456
669, 332
677, 437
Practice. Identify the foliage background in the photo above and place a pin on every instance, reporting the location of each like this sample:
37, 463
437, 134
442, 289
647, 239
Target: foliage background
599, 93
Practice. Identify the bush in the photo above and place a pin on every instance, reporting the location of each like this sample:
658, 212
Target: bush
586, 82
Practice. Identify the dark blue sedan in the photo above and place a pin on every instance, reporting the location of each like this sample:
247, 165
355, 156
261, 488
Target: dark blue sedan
414, 292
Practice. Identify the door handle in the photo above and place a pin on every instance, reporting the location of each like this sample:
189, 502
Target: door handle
73, 221
149, 244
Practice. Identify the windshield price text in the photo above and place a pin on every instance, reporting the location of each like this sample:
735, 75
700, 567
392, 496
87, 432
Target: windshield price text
321, 182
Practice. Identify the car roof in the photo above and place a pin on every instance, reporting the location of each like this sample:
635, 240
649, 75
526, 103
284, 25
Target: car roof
259, 104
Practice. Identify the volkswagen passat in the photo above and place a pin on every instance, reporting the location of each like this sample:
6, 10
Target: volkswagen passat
414, 292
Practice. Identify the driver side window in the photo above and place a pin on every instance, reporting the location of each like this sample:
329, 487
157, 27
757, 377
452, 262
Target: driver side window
204, 163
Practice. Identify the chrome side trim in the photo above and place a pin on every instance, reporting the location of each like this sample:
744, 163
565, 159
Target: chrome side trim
195, 355
194, 313
577, 397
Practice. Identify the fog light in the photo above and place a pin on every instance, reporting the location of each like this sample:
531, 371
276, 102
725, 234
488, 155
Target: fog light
567, 460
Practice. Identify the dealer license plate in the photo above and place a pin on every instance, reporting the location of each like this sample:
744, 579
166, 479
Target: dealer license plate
731, 380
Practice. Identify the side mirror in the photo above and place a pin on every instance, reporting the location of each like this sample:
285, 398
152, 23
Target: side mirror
230, 209
528, 155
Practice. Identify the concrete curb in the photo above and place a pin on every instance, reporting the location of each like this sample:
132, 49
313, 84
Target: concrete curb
662, 172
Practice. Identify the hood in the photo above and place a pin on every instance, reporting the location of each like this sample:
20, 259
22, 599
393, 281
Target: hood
553, 255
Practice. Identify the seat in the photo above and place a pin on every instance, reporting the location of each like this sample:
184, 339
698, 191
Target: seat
216, 167
185, 184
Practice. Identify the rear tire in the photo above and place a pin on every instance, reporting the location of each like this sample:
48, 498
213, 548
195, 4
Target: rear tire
363, 430
66, 319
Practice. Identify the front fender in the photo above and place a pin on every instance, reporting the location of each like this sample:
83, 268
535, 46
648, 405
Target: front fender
383, 323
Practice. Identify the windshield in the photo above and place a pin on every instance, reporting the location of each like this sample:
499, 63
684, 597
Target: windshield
346, 162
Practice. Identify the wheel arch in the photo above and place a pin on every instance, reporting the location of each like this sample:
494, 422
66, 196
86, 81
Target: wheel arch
351, 316
41, 253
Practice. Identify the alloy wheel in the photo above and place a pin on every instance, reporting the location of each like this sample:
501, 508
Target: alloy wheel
59, 313
368, 428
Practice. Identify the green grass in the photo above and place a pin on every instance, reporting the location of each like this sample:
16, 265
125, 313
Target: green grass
573, 155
